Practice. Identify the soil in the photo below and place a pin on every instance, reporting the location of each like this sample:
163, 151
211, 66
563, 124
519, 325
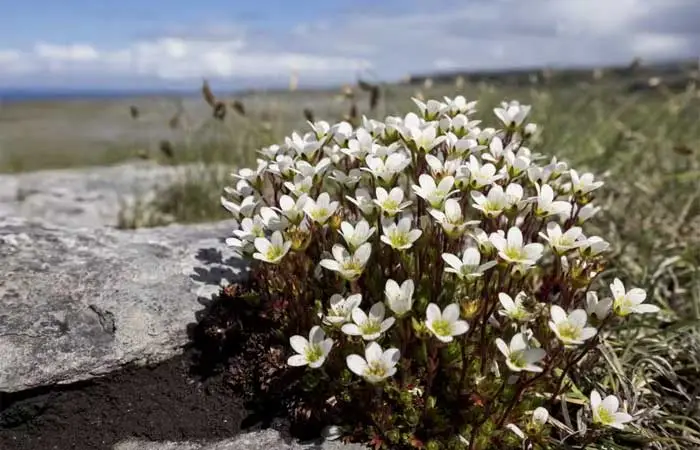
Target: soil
154, 403
232, 376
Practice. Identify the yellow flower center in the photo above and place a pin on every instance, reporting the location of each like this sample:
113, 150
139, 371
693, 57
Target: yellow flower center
569, 331
442, 327
313, 353
274, 252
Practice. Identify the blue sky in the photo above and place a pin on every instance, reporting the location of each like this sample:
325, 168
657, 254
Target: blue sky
175, 43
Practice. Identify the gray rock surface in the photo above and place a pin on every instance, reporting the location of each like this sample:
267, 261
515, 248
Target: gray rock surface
89, 197
80, 302
258, 440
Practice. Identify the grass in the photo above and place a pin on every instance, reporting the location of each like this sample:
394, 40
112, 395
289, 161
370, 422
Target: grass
647, 144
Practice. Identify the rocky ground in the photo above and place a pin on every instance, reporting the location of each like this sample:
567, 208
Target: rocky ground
86, 311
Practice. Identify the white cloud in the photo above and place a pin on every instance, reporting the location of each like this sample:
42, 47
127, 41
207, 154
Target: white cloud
448, 35
66, 53
174, 59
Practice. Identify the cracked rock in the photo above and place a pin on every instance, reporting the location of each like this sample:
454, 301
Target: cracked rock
86, 197
77, 303
257, 440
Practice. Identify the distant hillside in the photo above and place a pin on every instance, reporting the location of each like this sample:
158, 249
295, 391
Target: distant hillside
637, 71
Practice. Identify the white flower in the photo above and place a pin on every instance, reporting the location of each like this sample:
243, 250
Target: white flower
425, 137
514, 309
375, 127
587, 212
348, 180
460, 146
363, 200
512, 115
594, 246
250, 229
306, 169
482, 240
469, 267
283, 166
530, 129
430, 110
371, 326
321, 209
445, 324
270, 152
272, 220
546, 205
493, 204
452, 220
598, 308
480, 176
459, 104
495, 150
391, 203
341, 132
340, 310
513, 250
440, 168
291, 209
434, 194
631, 301
519, 356
538, 174
540, 416
240, 246
584, 184
514, 194
386, 170
571, 329
357, 235
399, 298
321, 128
300, 185
458, 124
563, 242
517, 163
482, 136
252, 175
361, 146
271, 251
605, 412
305, 147
333, 153
349, 266
400, 236
245, 208
312, 351
242, 189
377, 365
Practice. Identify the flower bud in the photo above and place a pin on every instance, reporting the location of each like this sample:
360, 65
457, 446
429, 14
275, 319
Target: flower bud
469, 308
300, 238
335, 221
540, 416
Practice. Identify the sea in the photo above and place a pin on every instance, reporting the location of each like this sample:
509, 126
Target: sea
22, 95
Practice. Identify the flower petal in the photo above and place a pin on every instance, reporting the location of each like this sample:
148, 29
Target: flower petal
299, 344
356, 364
297, 360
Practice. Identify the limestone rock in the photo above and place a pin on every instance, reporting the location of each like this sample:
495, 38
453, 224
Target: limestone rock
267, 439
80, 302
87, 197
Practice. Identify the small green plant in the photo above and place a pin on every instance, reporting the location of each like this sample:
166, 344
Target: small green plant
434, 282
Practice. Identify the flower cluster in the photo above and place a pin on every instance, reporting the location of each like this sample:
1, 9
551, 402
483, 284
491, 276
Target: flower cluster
439, 258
